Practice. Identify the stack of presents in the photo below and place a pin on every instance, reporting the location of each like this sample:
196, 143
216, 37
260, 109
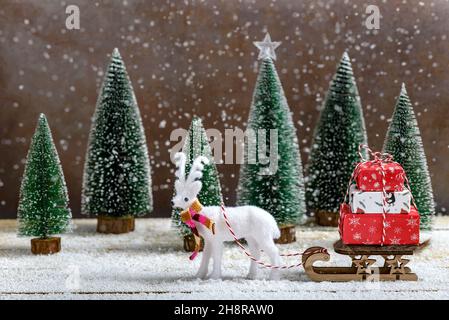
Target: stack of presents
380, 209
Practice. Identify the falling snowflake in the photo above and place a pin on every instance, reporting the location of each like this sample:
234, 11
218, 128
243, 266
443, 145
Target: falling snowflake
372, 229
354, 221
397, 230
414, 237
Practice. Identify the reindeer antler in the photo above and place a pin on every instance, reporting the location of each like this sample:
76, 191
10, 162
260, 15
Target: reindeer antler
196, 171
180, 162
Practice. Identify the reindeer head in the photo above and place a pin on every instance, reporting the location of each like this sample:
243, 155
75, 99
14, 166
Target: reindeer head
187, 189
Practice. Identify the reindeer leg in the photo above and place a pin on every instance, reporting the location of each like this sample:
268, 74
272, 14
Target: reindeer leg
217, 255
255, 251
273, 252
204, 266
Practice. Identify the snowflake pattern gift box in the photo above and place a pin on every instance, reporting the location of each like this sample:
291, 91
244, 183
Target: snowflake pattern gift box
369, 176
366, 229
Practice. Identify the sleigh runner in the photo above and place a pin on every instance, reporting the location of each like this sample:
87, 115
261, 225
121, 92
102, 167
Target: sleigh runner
362, 263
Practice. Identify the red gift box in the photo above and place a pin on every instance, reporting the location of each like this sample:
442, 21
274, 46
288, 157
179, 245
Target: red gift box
369, 176
366, 229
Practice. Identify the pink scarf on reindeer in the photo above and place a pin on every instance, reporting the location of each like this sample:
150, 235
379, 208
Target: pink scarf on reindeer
192, 214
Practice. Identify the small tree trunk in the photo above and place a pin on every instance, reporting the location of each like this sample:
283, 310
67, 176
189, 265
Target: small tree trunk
133, 224
115, 225
327, 218
189, 243
46, 246
288, 234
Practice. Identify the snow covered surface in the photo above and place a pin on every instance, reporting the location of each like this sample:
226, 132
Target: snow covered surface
150, 264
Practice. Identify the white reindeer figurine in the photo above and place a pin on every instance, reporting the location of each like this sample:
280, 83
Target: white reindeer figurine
254, 224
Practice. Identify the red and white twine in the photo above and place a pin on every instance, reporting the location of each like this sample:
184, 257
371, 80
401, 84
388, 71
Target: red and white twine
384, 204
264, 264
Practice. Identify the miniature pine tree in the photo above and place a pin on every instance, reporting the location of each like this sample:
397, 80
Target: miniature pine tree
281, 191
403, 141
43, 206
197, 144
339, 132
117, 179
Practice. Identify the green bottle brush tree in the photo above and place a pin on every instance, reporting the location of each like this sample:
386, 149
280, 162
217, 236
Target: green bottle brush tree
339, 132
117, 181
279, 191
44, 204
403, 141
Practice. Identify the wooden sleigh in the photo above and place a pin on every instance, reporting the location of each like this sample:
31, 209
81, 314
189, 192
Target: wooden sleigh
362, 267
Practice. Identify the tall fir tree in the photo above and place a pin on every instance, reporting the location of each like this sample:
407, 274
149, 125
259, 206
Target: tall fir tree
403, 141
196, 144
339, 132
44, 204
117, 179
280, 192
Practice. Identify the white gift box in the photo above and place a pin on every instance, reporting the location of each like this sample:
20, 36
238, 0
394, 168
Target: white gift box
371, 201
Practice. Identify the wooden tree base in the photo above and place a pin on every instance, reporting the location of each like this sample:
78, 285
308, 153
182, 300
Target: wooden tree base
115, 225
288, 234
46, 246
327, 219
189, 243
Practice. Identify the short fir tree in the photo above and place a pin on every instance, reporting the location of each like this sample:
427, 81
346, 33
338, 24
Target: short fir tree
280, 192
403, 141
44, 204
196, 144
339, 132
117, 179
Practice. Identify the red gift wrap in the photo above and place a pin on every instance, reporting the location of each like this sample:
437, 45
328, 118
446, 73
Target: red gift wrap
368, 176
366, 229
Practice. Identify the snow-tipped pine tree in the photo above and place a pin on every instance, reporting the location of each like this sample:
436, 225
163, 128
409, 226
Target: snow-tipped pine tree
339, 132
403, 141
44, 204
280, 192
196, 144
117, 179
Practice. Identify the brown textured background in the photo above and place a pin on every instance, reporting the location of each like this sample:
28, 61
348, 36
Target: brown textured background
197, 57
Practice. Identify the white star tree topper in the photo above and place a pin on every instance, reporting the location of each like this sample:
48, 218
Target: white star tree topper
267, 47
